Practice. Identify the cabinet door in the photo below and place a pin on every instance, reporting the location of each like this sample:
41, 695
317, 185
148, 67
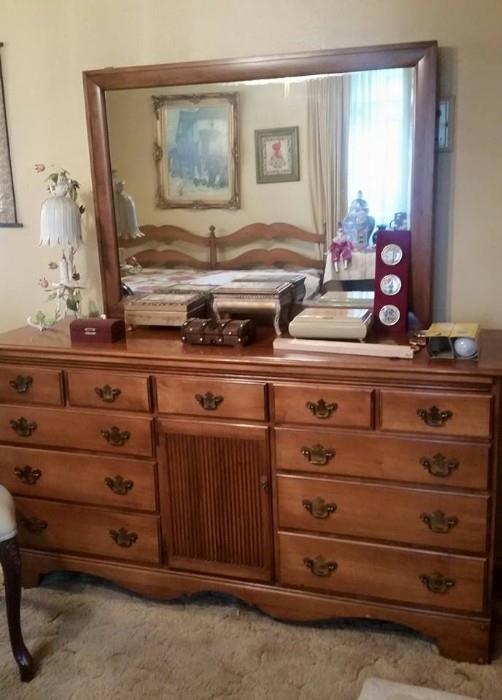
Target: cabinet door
215, 490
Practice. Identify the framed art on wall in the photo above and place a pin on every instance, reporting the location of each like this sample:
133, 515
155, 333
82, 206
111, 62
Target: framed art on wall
277, 158
196, 152
8, 216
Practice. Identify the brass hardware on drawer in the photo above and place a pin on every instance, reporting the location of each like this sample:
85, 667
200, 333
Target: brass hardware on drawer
106, 393
318, 508
265, 483
317, 454
433, 416
319, 566
27, 474
123, 538
23, 427
438, 465
439, 522
115, 436
321, 409
119, 485
21, 384
209, 401
436, 582
34, 525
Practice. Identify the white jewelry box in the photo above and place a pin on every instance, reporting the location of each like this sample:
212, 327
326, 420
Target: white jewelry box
329, 323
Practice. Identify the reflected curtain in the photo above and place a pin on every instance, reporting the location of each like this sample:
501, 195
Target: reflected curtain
327, 149
380, 140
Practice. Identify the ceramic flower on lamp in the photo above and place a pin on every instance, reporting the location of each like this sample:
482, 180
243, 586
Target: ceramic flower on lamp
60, 225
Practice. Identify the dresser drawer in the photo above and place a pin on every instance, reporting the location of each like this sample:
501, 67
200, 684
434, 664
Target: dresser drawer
92, 479
323, 405
30, 385
373, 456
466, 415
415, 516
46, 525
81, 430
211, 398
380, 571
122, 392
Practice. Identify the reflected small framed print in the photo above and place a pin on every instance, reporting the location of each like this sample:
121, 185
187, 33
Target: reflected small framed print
277, 157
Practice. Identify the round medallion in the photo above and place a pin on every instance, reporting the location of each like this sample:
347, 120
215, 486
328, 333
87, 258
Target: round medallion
392, 254
390, 284
389, 315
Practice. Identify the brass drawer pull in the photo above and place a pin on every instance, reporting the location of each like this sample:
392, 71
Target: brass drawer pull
318, 508
27, 474
122, 538
34, 525
115, 436
433, 416
23, 427
106, 393
119, 485
319, 566
436, 582
439, 522
21, 384
321, 409
317, 455
209, 401
439, 465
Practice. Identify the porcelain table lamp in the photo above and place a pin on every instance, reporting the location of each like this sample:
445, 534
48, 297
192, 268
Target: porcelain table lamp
125, 211
60, 225
126, 221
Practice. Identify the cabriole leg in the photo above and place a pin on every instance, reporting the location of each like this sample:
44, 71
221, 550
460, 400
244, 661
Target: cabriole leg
11, 565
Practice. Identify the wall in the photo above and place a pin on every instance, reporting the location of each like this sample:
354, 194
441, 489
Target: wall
131, 127
48, 45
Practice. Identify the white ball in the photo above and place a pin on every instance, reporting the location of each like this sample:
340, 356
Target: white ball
465, 347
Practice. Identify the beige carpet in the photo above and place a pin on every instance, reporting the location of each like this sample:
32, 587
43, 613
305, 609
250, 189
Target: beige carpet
96, 642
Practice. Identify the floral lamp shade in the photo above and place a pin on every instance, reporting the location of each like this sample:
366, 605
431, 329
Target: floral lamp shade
60, 220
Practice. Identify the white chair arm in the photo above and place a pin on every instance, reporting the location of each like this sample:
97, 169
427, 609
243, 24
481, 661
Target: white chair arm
8, 528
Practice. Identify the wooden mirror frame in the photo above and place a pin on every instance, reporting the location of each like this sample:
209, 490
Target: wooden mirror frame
422, 56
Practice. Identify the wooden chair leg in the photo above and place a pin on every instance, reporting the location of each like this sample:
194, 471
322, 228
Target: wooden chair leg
11, 565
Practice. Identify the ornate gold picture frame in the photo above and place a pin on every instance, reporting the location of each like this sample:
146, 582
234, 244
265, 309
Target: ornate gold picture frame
277, 155
197, 151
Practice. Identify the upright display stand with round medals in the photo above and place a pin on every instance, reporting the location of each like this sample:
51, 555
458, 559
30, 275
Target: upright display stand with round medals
392, 273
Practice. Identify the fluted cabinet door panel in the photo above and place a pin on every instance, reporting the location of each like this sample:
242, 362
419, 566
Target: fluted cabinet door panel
218, 499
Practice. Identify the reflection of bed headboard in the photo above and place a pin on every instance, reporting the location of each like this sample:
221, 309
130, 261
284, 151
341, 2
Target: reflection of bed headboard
254, 233
166, 235
218, 246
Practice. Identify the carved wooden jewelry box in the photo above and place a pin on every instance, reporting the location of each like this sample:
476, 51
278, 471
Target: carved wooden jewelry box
206, 331
263, 300
171, 309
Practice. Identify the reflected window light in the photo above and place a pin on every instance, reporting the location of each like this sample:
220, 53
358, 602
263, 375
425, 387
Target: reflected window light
380, 140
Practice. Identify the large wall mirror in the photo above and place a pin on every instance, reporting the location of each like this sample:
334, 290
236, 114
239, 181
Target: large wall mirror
205, 170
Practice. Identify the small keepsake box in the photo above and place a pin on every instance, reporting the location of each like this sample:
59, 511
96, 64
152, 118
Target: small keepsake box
97, 330
206, 331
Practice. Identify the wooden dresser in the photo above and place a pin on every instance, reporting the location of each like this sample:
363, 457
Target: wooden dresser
311, 487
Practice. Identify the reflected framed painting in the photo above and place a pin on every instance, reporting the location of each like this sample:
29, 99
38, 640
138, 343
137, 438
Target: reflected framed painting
8, 215
197, 151
277, 157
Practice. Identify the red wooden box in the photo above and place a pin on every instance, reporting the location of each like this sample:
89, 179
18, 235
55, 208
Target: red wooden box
97, 330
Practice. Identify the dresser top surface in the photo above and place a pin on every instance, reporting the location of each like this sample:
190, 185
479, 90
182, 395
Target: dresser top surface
161, 346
